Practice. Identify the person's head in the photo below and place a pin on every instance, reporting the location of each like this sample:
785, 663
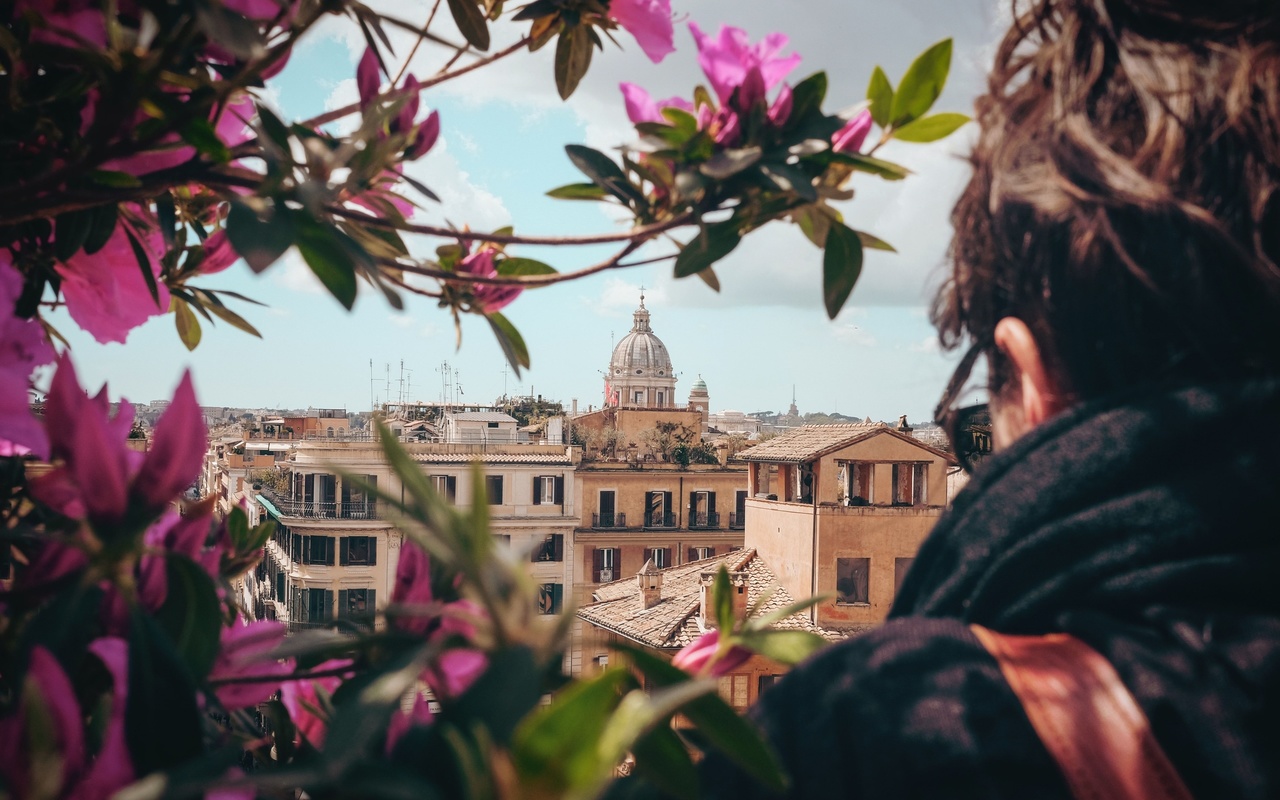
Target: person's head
1122, 225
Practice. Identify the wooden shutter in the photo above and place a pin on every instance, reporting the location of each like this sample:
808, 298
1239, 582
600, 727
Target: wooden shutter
372, 596
343, 603
648, 554
346, 493
667, 508
559, 490
451, 483
666, 557
647, 514
618, 574
596, 562
373, 551
537, 490
711, 504
692, 555
344, 556
308, 488
558, 543
711, 552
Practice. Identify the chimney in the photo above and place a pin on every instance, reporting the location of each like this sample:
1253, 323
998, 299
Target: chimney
650, 580
738, 589
575, 406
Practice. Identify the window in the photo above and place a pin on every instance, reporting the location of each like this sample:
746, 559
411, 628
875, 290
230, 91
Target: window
550, 549
606, 565
699, 553
549, 598
601, 661
445, 485
657, 512
316, 605
852, 578
661, 398
493, 489
767, 682
861, 476
356, 604
318, 550
900, 567
502, 540
493, 424
660, 556
639, 399
733, 690
355, 503
358, 551
702, 510
909, 484
607, 518
548, 490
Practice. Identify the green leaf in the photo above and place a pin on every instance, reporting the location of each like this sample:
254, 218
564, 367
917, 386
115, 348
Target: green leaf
578, 191
712, 243
785, 647
720, 724
233, 319
186, 322
841, 266
104, 224
505, 693
930, 128
683, 121
116, 180
71, 229
722, 596
161, 698
200, 134
604, 173
471, 23
144, 264
727, 163
260, 240
874, 243
815, 221
792, 179
876, 166
663, 760
573, 58
329, 258
921, 84
880, 93
710, 278
524, 266
555, 748
808, 95
273, 127
512, 343
191, 615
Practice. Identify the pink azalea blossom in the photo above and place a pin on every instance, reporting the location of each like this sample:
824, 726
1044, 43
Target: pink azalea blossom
780, 111
849, 139
302, 699
489, 297
649, 21
643, 108
100, 476
106, 293
455, 670
218, 254
65, 22
727, 59
367, 78
245, 653
425, 138
413, 589
23, 347
402, 722
62, 721
699, 657
257, 9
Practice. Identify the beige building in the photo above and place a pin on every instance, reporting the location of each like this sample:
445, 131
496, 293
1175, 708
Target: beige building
664, 610
840, 510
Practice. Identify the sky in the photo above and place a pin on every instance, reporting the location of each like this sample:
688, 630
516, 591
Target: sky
504, 129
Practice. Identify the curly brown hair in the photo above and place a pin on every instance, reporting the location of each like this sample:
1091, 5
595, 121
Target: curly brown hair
1123, 199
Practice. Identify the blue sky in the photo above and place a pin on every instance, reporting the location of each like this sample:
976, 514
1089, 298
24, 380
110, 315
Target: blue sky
502, 148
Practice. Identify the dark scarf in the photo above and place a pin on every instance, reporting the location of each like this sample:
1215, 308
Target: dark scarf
1165, 500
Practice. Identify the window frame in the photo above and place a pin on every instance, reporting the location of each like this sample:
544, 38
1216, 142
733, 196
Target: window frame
865, 563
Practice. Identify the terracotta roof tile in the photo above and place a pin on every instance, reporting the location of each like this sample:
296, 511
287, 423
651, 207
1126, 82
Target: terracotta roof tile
492, 458
808, 442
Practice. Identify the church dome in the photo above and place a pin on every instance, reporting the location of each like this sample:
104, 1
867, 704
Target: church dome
699, 386
640, 353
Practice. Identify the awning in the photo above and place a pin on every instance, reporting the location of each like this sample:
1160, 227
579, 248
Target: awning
272, 510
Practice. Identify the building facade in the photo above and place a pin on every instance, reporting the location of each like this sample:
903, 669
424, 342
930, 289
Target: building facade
640, 374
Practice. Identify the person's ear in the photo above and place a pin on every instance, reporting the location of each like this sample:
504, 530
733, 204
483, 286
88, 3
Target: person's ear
1039, 396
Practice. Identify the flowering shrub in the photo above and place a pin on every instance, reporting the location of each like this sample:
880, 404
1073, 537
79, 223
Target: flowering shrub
139, 156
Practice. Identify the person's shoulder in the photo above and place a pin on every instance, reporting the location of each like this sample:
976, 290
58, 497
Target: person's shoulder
913, 708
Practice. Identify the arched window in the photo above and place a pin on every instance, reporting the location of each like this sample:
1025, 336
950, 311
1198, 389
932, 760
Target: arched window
330, 431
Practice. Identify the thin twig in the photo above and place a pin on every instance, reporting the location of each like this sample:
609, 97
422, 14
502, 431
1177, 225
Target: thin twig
526, 281
644, 231
417, 43
336, 672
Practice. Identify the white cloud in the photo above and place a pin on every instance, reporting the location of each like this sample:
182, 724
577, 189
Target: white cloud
619, 297
292, 273
854, 335
928, 344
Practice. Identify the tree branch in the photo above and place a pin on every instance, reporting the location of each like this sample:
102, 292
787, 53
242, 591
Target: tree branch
644, 231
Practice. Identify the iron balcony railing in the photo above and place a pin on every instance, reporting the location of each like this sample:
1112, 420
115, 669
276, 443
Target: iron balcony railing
704, 519
737, 521
355, 509
654, 519
609, 521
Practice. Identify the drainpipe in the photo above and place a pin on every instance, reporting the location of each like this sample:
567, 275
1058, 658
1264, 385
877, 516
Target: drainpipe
813, 577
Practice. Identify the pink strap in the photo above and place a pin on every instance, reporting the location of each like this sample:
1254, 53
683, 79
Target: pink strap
1086, 718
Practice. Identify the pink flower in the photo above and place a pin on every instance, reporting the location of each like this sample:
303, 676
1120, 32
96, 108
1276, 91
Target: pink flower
255, 9
245, 653
403, 121
425, 138
367, 78
401, 722
455, 670
23, 347
413, 589
60, 724
218, 254
100, 477
780, 111
649, 21
699, 657
727, 127
303, 699
728, 58
65, 22
643, 108
106, 292
849, 139
489, 297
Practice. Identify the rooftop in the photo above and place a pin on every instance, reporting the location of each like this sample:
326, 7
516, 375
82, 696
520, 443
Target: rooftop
483, 416
673, 622
808, 442
493, 458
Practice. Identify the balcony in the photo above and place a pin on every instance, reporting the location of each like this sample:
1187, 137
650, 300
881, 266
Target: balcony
608, 522
703, 520
311, 509
660, 521
737, 521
